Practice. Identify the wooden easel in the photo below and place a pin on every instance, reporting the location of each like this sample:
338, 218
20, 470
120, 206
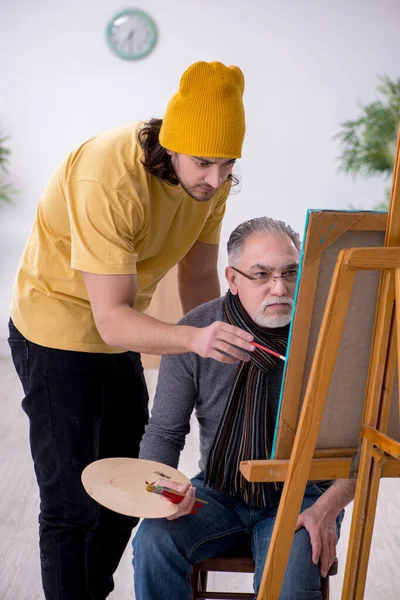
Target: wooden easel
378, 454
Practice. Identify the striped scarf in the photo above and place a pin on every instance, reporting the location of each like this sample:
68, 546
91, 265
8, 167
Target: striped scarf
242, 433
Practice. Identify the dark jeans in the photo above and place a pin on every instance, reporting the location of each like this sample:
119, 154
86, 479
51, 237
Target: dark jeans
164, 552
81, 407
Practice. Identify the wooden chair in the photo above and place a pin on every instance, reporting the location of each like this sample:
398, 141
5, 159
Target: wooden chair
230, 562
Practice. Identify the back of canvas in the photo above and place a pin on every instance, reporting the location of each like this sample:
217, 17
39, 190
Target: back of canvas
340, 427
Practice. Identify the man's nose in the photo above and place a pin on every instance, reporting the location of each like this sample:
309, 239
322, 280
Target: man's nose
214, 177
279, 286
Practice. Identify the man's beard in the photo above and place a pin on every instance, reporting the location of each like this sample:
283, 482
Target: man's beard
200, 197
194, 192
273, 321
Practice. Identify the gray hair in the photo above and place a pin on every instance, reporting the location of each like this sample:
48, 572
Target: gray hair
260, 226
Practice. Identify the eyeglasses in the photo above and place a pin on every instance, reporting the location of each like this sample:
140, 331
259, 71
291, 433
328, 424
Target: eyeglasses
261, 277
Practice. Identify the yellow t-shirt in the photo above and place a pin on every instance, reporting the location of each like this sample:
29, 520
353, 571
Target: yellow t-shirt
102, 212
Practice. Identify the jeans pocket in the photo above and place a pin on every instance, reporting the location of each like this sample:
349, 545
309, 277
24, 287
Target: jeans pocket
320, 488
20, 357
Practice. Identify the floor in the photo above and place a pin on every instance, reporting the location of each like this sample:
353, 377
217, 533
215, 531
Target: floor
19, 568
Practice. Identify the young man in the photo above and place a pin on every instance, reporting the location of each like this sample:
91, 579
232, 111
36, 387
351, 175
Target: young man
236, 408
117, 214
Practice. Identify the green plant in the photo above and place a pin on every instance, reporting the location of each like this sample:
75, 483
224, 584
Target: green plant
369, 142
6, 189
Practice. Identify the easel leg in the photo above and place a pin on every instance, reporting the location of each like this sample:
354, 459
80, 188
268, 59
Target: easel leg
376, 412
307, 431
362, 526
397, 317
372, 499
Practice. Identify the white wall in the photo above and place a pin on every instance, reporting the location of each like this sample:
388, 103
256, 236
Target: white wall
305, 62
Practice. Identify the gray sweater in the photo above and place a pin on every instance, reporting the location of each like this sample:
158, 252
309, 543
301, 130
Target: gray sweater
188, 382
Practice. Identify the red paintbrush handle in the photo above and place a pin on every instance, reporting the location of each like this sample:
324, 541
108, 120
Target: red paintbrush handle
176, 499
196, 508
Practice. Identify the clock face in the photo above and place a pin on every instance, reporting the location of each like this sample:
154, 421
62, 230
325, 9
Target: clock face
131, 34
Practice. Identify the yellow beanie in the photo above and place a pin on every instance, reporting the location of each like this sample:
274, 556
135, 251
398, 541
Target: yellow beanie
206, 116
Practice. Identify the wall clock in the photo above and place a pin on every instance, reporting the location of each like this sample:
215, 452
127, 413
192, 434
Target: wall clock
131, 34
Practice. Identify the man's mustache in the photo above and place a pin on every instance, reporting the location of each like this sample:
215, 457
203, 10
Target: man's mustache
277, 300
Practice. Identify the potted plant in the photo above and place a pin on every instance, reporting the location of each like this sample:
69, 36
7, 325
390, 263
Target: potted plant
6, 189
369, 142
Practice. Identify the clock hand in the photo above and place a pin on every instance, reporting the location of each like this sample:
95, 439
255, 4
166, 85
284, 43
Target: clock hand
128, 41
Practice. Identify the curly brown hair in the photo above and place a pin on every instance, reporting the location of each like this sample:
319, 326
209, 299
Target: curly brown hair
156, 158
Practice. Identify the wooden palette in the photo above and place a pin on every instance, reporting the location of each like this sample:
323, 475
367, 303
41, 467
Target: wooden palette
120, 485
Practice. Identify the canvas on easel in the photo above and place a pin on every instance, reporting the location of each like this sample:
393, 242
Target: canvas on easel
327, 233
340, 392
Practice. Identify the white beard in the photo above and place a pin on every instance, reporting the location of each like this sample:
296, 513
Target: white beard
274, 321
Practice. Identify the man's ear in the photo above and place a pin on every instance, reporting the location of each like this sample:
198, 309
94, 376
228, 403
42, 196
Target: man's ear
232, 277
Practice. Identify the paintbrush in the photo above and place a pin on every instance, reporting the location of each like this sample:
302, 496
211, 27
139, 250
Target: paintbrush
268, 350
174, 496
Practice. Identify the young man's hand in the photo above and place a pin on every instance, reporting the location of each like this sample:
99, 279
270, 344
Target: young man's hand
223, 342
